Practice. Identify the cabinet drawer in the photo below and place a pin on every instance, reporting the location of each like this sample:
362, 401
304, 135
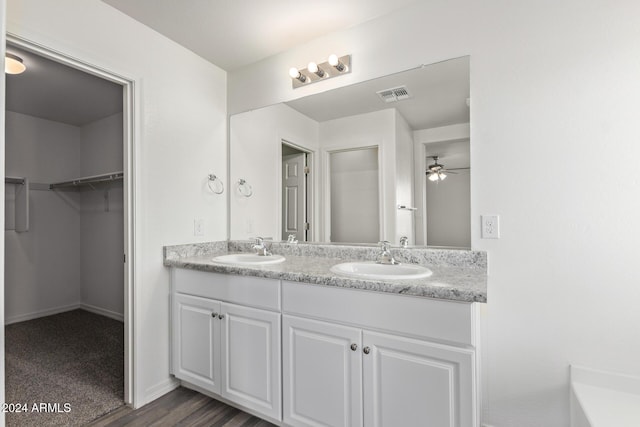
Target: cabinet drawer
244, 290
445, 321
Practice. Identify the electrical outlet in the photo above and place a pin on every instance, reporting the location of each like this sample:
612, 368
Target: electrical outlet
490, 226
198, 227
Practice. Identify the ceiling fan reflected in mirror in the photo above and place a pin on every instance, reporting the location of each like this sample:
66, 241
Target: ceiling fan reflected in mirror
437, 172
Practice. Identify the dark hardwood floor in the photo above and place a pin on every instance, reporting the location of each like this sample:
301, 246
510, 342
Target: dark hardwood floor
181, 407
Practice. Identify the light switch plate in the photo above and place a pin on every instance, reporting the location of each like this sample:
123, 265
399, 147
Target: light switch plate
490, 226
198, 227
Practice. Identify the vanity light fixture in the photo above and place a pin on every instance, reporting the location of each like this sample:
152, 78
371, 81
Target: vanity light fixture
334, 66
13, 64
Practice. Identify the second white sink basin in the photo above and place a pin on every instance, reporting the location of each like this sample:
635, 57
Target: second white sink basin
373, 270
248, 259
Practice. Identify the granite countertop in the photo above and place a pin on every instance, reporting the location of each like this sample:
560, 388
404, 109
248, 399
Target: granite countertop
457, 275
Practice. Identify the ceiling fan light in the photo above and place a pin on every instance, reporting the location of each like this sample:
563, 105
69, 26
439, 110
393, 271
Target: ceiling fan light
433, 177
442, 175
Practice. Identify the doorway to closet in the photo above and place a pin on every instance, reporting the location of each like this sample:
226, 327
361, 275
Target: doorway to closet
66, 239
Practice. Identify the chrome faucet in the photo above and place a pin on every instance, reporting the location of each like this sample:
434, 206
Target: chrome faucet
292, 238
385, 256
404, 241
260, 247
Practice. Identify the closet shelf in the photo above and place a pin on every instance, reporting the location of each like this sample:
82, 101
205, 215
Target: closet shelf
87, 180
14, 180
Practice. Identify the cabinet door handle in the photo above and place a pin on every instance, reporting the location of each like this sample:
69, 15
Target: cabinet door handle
214, 315
220, 316
354, 346
366, 350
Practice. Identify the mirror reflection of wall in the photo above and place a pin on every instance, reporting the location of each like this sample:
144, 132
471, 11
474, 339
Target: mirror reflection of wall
407, 117
355, 213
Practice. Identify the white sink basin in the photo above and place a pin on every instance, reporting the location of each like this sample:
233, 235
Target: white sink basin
373, 270
248, 259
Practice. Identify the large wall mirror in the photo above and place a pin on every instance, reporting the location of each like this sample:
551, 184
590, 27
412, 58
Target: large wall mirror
378, 160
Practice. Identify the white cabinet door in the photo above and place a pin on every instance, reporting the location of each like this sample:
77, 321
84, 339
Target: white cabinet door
409, 382
196, 341
322, 373
251, 358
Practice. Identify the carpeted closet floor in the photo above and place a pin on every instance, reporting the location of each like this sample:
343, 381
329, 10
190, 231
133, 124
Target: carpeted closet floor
73, 358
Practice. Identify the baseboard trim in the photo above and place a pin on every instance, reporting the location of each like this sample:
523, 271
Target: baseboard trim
102, 312
41, 313
159, 390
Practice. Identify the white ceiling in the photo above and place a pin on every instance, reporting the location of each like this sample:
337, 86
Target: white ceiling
439, 96
235, 33
53, 91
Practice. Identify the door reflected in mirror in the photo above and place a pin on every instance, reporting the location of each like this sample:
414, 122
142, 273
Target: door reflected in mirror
354, 196
356, 164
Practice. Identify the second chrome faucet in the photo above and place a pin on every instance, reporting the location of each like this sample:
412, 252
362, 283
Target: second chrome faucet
385, 256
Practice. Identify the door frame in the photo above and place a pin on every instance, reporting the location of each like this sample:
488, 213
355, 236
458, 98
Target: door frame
310, 193
129, 89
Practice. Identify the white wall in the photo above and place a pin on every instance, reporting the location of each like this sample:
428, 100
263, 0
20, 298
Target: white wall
43, 265
448, 210
256, 144
102, 221
180, 137
550, 82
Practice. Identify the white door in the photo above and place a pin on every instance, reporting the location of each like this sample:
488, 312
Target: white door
409, 382
196, 343
251, 358
322, 376
294, 196
354, 196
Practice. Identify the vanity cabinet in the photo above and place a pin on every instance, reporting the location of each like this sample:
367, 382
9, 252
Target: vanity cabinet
311, 355
225, 348
322, 373
339, 371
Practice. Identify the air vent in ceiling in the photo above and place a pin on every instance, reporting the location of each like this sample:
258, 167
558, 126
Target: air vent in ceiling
394, 94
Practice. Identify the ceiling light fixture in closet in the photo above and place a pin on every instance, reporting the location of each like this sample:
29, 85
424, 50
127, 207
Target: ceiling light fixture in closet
13, 64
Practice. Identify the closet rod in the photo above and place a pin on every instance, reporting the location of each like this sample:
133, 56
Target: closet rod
13, 180
87, 180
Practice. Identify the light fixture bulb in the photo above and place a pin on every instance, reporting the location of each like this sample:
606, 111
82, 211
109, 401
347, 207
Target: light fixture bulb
295, 74
13, 64
433, 177
334, 61
442, 175
313, 68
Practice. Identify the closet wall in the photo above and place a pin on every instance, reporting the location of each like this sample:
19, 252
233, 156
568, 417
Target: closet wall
72, 254
101, 219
